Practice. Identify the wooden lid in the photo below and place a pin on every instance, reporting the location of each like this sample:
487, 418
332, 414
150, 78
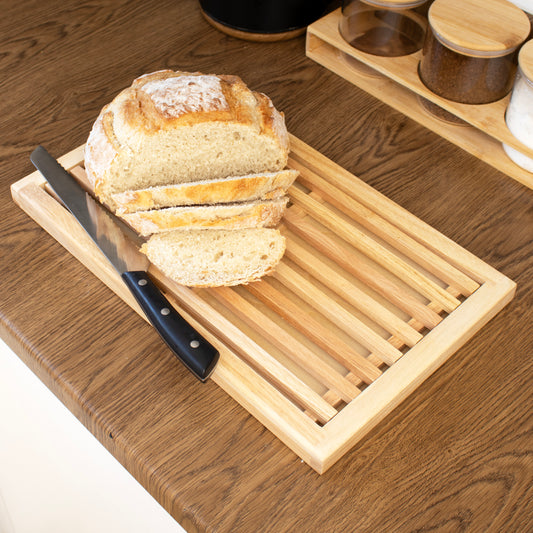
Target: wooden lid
525, 60
479, 27
395, 3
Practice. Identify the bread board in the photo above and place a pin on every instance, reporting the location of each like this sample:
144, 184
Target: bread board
395, 81
366, 304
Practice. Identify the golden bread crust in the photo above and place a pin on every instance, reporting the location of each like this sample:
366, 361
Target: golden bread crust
265, 186
101, 148
220, 216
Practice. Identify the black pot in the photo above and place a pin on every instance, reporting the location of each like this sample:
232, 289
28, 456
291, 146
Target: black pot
264, 16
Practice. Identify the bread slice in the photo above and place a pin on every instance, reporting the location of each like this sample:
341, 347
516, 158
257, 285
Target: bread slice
265, 186
254, 214
210, 258
177, 127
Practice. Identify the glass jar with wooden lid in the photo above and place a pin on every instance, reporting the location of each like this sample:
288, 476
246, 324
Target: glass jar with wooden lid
471, 48
519, 115
389, 28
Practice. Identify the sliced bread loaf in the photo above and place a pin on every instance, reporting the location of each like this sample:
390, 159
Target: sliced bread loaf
265, 186
175, 127
255, 214
209, 258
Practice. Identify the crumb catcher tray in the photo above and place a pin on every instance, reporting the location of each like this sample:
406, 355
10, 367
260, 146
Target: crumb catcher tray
367, 302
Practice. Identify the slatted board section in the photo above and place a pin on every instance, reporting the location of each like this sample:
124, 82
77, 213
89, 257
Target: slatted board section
352, 295
366, 303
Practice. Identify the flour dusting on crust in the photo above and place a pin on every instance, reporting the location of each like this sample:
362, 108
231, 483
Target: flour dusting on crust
176, 96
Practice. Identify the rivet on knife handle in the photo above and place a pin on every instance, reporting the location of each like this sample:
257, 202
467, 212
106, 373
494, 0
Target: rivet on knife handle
195, 352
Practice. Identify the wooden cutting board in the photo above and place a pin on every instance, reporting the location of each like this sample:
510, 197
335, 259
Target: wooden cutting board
366, 304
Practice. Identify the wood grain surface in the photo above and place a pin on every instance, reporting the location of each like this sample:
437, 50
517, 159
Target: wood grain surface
457, 455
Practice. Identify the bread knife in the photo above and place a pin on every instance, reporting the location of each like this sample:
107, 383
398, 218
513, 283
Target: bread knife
120, 244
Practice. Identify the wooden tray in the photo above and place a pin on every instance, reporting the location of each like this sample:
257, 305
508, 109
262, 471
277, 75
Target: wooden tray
366, 304
395, 81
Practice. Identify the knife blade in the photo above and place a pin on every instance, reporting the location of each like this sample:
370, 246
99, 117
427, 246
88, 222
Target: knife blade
120, 244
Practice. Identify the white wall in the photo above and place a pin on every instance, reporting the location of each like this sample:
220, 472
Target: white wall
55, 477
526, 5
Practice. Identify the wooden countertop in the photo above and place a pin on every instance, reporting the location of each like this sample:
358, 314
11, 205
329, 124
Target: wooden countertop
456, 455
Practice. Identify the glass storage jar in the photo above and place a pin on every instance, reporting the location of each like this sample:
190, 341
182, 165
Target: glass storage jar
471, 49
519, 115
389, 28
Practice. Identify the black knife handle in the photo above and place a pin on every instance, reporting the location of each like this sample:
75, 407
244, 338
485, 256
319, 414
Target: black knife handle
196, 353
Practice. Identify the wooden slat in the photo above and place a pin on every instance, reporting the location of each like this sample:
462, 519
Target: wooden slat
263, 401
335, 400
344, 257
285, 381
291, 347
386, 230
337, 314
315, 331
419, 230
81, 175
373, 249
356, 297
73, 158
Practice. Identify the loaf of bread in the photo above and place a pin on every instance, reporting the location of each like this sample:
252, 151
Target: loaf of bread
209, 258
196, 162
264, 186
176, 127
256, 214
